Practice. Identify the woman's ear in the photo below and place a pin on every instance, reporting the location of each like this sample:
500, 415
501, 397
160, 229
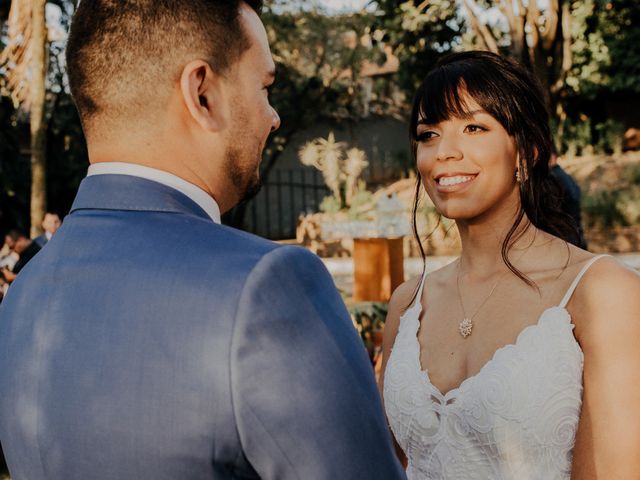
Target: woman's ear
535, 155
202, 95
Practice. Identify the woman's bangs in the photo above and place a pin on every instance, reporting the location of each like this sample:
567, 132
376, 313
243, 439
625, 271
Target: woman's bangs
443, 94
442, 99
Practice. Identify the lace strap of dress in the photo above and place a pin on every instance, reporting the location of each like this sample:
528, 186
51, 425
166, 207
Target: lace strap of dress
573, 286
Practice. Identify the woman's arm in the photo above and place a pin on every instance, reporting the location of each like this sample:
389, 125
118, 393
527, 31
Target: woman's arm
8, 275
606, 308
398, 303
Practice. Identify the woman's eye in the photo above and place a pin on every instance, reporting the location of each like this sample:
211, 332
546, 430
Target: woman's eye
425, 136
474, 129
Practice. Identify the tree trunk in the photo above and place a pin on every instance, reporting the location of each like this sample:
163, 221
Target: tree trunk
532, 42
37, 117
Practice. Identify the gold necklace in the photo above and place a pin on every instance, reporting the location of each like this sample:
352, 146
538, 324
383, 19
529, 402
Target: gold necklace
466, 325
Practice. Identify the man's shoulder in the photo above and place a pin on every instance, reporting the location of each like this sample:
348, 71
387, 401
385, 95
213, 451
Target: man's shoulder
263, 254
239, 252
212, 239
40, 240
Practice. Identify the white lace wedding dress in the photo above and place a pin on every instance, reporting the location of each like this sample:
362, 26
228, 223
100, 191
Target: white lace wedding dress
515, 419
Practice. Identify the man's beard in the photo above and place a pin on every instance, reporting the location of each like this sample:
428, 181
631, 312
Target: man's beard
244, 175
243, 155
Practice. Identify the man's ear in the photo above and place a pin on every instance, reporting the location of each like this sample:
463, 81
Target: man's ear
202, 95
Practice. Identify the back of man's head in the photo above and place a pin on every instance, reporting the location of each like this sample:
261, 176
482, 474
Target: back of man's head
125, 56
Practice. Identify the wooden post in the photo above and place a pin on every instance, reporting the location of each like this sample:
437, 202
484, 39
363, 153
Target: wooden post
378, 268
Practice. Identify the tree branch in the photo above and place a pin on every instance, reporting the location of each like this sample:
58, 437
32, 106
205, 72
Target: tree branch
516, 25
567, 58
481, 29
506, 7
533, 18
549, 31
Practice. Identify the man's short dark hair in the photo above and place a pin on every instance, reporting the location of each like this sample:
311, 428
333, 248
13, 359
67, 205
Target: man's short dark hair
120, 51
49, 212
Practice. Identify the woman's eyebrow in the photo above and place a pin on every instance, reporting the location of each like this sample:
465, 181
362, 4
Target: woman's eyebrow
472, 113
464, 116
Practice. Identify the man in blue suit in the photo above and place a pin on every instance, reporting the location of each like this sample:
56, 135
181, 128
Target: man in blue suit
50, 225
149, 342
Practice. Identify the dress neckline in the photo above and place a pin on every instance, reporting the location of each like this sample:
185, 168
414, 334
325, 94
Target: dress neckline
452, 393
416, 310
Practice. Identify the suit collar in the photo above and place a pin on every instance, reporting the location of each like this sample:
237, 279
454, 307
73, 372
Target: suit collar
126, 192
195, 193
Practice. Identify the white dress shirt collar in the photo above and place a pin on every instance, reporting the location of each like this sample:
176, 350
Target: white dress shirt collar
199, 196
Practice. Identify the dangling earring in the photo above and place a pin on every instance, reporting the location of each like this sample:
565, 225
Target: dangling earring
521, 172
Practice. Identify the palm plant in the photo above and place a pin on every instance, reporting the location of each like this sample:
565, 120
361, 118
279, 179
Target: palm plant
354, 164
326, 156
340, 170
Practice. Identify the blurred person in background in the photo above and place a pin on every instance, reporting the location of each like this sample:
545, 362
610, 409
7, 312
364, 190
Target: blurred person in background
571, 196
8, 257
25, 249
50, 224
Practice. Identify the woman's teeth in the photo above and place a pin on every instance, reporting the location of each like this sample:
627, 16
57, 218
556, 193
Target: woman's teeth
448, 181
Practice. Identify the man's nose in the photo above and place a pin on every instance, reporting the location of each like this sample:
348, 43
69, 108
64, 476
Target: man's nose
275, 124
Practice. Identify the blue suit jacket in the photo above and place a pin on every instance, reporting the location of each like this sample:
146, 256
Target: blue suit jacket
147, 342
41, 240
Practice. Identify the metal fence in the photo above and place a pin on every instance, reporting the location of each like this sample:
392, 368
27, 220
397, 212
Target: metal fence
286, 194
289, 193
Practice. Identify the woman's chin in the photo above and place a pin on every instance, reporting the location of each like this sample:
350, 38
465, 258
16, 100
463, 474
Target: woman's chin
458, 213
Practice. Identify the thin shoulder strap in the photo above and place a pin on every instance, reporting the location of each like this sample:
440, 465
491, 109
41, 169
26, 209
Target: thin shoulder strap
573, 286
418, 294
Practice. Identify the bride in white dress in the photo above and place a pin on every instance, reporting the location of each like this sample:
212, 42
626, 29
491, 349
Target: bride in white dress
521, 359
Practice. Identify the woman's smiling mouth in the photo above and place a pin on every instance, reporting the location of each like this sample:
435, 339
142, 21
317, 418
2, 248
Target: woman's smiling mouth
454, 183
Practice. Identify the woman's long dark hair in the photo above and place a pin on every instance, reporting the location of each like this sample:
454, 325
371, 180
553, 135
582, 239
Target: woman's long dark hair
512, 95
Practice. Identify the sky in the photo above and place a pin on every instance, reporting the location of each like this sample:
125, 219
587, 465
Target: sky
341, 5
352, 5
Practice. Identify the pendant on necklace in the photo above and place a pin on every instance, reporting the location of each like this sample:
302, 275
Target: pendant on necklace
465, 327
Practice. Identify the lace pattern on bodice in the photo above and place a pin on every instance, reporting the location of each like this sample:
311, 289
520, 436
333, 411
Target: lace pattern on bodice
515, 419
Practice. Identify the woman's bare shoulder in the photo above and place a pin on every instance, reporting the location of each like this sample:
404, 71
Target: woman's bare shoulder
606, 276
402, 298
608, 293
407, 290
404, 293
